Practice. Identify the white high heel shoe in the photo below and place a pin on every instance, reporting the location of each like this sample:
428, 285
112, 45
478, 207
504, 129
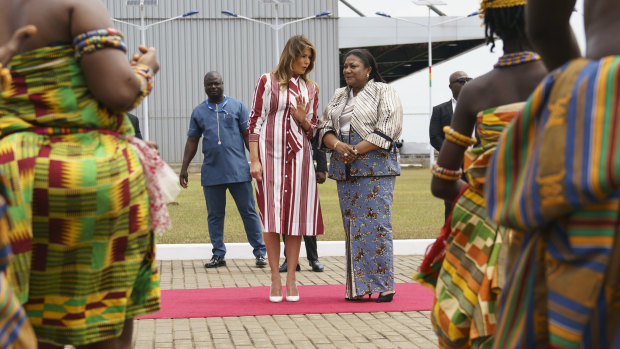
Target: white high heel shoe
274, 299
292, 298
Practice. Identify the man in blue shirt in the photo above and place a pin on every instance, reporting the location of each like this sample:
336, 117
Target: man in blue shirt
222, 121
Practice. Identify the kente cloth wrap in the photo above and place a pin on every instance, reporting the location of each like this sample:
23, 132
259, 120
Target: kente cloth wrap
555, 177
84, 253
15, 329
470, 279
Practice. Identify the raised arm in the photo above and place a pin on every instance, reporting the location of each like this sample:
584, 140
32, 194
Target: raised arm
108, 72
548, 28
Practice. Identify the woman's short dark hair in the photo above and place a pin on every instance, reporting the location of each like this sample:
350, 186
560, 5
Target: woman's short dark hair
369, 61
505, 22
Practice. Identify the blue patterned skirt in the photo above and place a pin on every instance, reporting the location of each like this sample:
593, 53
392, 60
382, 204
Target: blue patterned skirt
366, 206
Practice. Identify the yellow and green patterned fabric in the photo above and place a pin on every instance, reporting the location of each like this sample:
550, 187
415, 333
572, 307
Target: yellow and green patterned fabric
556, 180
15, 329
84, 255
470, 280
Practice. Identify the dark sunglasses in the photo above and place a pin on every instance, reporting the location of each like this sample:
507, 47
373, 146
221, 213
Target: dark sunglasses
461, 80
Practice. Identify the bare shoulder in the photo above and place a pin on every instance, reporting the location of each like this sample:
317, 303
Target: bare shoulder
475, 95
88, 15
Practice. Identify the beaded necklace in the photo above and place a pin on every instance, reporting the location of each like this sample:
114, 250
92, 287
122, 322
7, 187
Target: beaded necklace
517, 58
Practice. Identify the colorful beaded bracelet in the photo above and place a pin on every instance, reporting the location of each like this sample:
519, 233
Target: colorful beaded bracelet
98, 39
458, 138
145, 76
445, 173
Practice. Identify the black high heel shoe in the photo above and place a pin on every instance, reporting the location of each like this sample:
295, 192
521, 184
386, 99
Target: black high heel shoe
385, 298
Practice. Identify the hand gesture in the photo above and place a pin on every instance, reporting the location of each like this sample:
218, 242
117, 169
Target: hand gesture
301, 109
321, 176
9, 49
147, 57
346, 151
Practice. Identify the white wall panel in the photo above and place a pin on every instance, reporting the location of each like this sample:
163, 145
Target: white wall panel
239, 49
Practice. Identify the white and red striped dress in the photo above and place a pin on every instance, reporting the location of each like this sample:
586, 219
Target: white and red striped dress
288, 199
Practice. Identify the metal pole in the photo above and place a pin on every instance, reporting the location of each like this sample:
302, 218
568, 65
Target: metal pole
430, 79
277, 29
145, 101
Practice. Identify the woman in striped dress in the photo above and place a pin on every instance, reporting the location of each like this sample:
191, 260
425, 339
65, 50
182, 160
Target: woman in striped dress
471, 275
360, 123
282, 122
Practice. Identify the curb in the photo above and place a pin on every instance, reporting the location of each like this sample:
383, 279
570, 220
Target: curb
244, 250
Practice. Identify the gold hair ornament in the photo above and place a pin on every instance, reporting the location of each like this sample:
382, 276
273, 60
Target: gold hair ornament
487, 4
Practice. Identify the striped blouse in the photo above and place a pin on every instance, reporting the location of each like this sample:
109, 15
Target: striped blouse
377, 114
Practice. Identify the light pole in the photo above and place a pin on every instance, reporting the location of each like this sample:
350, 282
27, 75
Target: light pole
142, 28
277, 26
431, 7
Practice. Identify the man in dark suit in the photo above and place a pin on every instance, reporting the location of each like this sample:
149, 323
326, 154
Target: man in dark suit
442, 116
310, 241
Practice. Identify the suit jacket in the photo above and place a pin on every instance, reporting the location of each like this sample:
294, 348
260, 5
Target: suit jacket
442, 116
318, 155
136, 124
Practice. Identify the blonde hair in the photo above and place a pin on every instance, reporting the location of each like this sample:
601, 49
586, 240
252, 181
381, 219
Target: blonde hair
293, 49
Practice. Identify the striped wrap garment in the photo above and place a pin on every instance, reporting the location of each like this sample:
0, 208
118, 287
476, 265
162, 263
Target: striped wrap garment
556, 178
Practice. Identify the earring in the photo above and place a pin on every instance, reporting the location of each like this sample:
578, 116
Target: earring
367, 75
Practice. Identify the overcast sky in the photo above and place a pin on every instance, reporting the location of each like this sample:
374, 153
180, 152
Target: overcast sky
414, 89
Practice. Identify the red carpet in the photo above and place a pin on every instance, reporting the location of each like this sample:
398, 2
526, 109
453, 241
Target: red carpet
314, 299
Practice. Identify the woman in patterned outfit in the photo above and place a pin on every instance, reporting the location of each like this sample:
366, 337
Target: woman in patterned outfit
282, 122
360, 123
471, 275
81, 216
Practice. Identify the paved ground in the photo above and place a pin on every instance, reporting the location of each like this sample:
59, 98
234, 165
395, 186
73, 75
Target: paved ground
345, 330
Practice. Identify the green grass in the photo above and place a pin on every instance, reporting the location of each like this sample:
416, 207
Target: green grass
416, 214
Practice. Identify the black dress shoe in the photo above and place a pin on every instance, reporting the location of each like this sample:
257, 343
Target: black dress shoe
216, 261
316, 265
385, 298
261, 262
284, 267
